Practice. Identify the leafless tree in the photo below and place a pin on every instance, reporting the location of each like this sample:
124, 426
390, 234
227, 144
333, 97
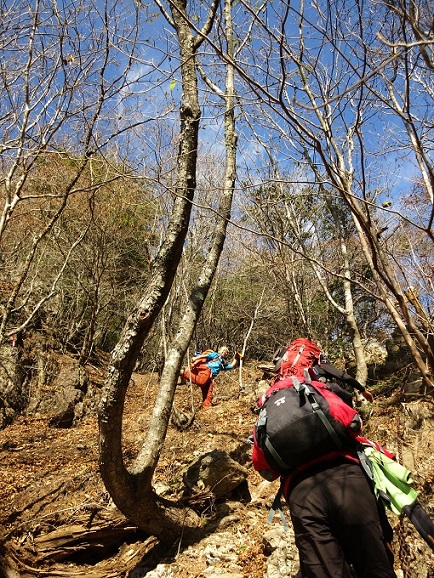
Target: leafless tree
64, 73
328, 80
131, 489
69, 77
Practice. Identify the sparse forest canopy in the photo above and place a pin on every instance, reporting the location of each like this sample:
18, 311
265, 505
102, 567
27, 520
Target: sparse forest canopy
335, 144
334, 138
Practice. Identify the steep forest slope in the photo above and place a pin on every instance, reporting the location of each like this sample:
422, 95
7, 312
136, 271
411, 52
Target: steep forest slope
57, 519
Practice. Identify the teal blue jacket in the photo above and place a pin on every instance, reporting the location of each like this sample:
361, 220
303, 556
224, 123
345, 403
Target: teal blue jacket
216, 363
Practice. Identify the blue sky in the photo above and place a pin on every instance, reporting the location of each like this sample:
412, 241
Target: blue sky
146, 94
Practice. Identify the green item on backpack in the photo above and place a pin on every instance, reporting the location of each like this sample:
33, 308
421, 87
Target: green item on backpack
391, 480
391, 483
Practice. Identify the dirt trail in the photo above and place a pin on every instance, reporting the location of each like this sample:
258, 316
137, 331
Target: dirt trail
50, 485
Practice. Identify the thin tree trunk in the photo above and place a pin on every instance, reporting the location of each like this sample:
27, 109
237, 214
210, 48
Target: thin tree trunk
148, 457
131, 491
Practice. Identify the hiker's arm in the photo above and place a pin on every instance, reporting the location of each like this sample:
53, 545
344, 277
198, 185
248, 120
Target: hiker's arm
345, 395
356, 385
368, 395
234, 363
231, 365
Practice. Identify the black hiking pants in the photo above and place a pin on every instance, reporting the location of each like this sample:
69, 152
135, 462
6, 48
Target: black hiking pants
336, 524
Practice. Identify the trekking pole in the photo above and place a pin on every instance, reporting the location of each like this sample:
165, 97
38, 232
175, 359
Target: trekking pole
421, 521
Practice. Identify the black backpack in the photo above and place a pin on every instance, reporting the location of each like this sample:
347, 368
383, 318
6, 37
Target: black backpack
300, 422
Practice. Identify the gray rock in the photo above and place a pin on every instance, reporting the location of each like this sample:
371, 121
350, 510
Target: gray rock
216, 471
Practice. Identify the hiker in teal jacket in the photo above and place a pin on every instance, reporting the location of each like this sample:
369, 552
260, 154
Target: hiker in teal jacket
205, 367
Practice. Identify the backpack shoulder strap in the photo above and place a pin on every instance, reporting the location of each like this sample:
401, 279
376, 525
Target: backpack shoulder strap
304, 388
262, 420
202, 358
198, 360
207, 351
276, 456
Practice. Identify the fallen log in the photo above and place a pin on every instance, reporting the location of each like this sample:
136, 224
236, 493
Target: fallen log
107, 551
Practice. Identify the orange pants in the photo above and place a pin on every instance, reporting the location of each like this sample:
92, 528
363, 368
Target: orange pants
201, 375
207, 393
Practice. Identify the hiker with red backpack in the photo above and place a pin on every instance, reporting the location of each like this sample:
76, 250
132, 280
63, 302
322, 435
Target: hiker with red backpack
307, 433
205, 367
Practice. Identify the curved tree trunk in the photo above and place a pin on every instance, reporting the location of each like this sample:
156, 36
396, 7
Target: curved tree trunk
313, 109
389, 287
132, 491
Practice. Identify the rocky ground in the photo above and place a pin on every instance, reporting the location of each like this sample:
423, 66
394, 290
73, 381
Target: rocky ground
57, 519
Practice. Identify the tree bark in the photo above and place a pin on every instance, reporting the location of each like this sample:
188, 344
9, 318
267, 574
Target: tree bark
131, 490
148, 457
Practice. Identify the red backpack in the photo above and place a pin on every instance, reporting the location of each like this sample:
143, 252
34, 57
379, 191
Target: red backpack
299, 355
198, 371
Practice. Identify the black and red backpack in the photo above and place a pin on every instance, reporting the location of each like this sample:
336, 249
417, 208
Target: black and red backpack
300, 423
